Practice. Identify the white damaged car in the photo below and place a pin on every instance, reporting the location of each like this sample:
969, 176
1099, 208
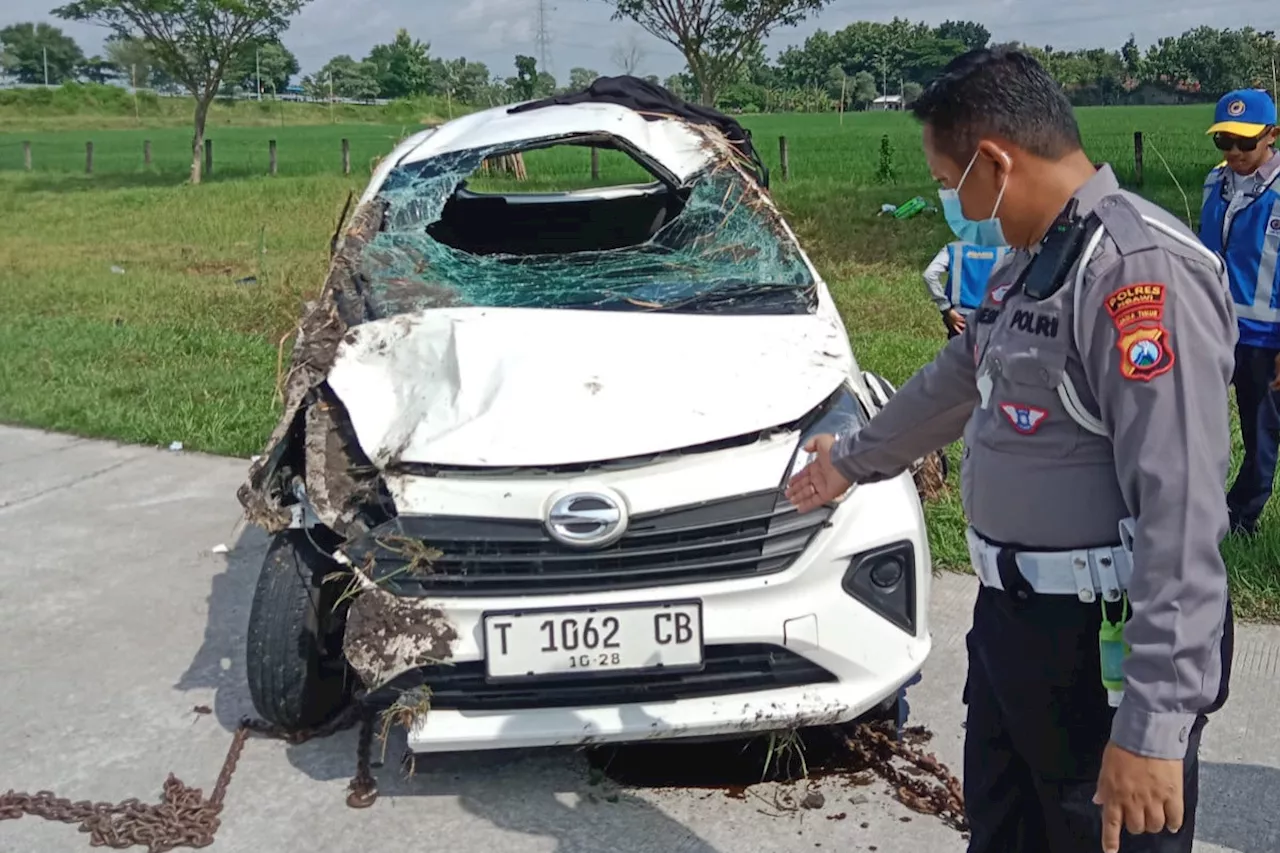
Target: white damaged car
528, 480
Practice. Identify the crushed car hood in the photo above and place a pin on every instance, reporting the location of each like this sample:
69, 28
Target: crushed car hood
535, 387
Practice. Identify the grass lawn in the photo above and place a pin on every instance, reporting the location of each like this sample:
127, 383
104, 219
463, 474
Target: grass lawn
142, 309
75, 106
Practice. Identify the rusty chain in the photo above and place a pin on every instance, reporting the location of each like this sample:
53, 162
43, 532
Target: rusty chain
876, 745
183, 817
363, 789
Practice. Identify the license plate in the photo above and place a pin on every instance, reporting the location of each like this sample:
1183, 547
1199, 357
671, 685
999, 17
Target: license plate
525, 644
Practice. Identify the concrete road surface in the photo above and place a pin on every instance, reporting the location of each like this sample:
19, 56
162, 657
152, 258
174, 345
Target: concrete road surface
117, 618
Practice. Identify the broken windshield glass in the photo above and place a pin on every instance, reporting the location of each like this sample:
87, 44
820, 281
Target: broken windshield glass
717, 245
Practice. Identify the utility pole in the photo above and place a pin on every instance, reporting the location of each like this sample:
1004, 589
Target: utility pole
543, 38
46, 65
257, 63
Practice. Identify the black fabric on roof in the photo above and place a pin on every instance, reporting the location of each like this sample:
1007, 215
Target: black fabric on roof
654, 101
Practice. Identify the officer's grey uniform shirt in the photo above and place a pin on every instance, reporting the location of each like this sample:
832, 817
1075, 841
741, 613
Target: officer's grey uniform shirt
1034, 478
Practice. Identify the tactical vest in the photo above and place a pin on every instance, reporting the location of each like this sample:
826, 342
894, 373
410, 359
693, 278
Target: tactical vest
969, 267
1249, 242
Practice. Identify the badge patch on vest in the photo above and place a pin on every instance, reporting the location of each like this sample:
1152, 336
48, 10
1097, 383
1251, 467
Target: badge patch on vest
1138, 314
998, 295
1273, 226
1025, 419
1146, 353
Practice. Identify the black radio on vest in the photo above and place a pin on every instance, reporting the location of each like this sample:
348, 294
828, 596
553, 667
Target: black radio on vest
1058, 251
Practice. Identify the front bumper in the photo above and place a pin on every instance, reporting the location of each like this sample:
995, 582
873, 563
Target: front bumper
857, 657
447, 731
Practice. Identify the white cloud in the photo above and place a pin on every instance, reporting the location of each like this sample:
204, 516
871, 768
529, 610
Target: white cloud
495, 25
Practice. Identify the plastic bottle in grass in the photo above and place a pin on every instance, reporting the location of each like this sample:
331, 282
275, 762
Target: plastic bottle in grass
910, 208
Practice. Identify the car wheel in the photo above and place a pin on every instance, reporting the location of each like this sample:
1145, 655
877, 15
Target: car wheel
296, 672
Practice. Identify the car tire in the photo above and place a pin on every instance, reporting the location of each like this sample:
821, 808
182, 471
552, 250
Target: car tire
294, 664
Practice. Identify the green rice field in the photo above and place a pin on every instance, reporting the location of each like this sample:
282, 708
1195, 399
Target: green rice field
822, 147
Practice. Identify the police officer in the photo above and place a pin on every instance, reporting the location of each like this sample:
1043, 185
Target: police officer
1091, 388
957, 279
1240, 219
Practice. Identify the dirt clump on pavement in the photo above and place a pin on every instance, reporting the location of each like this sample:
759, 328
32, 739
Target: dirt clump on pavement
849, 757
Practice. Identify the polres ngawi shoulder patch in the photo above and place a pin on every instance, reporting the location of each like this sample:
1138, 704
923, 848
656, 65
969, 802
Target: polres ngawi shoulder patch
1137, 312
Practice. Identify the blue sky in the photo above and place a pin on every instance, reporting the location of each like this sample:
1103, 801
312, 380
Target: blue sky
582, 34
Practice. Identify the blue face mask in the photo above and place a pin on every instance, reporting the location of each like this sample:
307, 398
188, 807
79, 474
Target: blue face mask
986, 232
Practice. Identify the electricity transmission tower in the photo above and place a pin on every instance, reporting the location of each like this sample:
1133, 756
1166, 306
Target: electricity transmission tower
543, 38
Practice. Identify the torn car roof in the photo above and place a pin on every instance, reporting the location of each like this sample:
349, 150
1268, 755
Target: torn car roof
676, 145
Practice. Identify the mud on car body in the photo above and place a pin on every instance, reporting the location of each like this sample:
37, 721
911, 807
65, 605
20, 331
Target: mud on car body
528, 479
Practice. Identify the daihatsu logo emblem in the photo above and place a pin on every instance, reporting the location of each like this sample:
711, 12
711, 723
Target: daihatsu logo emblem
587, 519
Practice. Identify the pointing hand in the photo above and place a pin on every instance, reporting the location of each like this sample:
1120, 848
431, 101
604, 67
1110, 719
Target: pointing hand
819, 482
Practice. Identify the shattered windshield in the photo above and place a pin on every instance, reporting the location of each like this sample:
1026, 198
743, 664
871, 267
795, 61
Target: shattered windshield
716, 246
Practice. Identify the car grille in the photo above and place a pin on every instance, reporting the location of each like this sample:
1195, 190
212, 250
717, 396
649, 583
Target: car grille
741, 537
728, 669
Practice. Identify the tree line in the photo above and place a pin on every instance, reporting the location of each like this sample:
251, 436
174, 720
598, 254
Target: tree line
37, 53
867, 59
218, 47
405, 67
848, 68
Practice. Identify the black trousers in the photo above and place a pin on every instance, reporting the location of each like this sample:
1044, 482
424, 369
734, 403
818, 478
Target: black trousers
1259, 431
1037, 724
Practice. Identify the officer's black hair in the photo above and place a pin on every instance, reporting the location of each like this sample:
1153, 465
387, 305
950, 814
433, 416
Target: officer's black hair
999, 92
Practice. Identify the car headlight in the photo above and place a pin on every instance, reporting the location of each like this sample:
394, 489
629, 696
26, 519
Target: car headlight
839, 415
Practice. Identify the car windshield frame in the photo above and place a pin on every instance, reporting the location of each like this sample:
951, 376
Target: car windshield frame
726, 250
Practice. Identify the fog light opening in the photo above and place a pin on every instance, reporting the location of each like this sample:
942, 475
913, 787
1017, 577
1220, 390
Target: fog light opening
887, 572
883, 579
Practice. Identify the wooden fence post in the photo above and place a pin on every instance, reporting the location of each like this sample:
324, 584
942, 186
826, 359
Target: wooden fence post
26, 155
782, 157
346, 156
208, 158
88, 158
1137, 156
271, 148
595, 163
146, 153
